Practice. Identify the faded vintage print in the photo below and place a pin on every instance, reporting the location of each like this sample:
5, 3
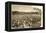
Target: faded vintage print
26, 16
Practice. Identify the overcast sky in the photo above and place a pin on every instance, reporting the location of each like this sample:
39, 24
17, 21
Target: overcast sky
25, 8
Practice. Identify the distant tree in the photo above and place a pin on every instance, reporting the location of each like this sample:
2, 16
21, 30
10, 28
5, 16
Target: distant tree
38, 10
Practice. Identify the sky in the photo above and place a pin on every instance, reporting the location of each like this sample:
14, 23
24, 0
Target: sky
25, 8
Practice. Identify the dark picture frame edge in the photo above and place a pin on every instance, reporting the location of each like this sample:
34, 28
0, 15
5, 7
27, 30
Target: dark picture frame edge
8, 15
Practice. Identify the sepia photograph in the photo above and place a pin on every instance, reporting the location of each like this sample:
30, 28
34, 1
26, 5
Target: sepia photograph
26, 16
20, 16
